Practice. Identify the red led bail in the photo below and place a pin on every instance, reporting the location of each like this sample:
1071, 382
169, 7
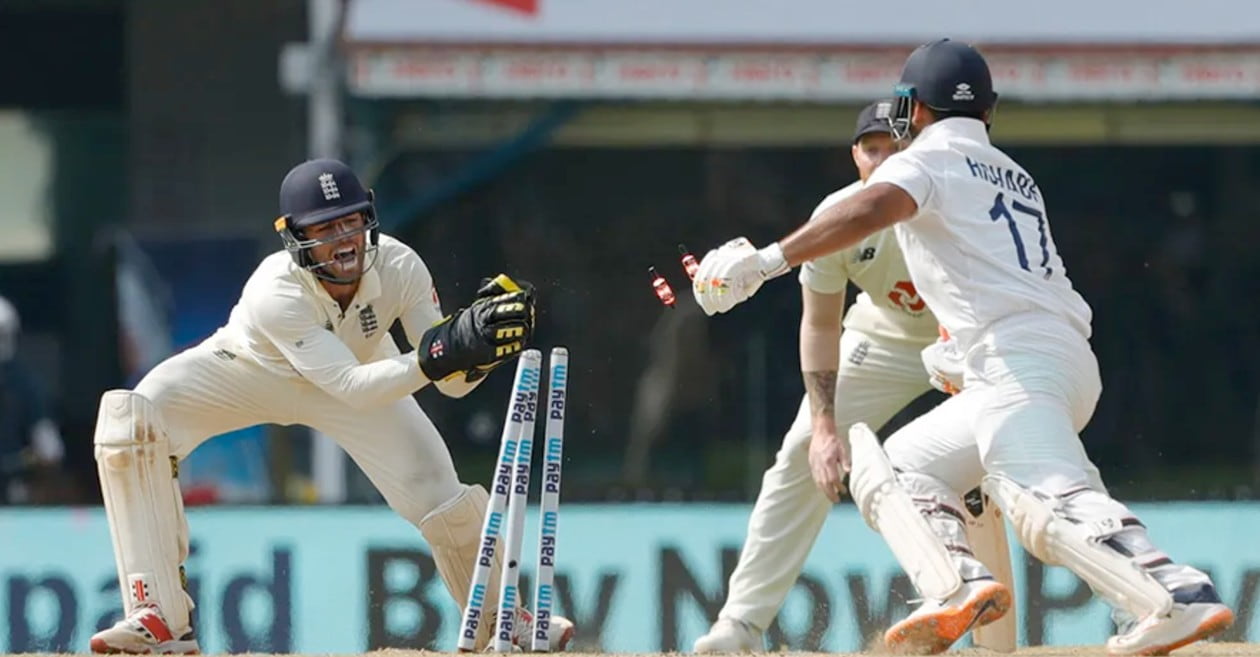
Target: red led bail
663, 291
688, 262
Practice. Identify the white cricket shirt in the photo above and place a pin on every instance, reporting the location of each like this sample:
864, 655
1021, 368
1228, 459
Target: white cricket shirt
979, 249
287, 322
889, 305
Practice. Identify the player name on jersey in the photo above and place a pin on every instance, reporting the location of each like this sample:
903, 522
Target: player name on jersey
1008, 179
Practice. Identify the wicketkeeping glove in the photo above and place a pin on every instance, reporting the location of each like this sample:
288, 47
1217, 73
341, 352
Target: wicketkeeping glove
502, 284
473, 340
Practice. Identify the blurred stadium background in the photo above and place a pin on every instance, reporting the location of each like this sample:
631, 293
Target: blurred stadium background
575, 143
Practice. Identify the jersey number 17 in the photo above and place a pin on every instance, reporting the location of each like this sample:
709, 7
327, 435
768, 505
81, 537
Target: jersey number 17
1000, 210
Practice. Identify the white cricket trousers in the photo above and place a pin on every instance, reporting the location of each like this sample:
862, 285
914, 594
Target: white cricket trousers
1030, 385
877, 377
205, 391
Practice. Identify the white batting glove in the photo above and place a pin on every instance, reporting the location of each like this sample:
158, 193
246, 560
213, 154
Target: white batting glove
733, 272
944, 365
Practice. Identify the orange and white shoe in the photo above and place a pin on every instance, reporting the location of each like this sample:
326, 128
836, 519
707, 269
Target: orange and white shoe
937, 624
144, 632
1197, 614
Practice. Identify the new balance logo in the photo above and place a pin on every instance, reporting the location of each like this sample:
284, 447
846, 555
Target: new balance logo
866, 254
328, 186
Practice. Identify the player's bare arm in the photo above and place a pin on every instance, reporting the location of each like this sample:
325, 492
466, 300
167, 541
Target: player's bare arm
848, 222
820, 357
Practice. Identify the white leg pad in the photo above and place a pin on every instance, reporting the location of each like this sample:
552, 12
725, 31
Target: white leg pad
453, 532
888, 509
1056, 540
986, 533
140, 487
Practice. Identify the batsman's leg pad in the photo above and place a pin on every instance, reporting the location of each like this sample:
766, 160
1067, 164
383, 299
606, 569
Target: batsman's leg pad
1048, 534
888, 509
453, 532
946, 516
140, 487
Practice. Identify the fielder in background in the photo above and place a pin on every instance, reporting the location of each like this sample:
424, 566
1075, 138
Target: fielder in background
309, 343
975, 232
866, 374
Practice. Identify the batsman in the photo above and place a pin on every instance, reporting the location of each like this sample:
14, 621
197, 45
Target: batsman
309, 343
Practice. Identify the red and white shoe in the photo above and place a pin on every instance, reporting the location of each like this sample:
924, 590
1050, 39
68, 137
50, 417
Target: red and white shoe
559, 632
937, 624
1197, 614
144, 632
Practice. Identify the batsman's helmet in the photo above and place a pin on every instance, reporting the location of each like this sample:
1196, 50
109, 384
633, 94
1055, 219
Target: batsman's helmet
318, 191
950, 77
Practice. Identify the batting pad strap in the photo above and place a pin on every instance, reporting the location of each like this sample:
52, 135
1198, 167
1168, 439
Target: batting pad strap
888, 509
1059, 541
140, 488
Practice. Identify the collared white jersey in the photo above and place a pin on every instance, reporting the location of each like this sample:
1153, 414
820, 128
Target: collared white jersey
889, 305
287, 321
979, 249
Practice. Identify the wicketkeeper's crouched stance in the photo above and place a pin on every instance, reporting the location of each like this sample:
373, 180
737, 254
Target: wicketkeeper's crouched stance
308, 343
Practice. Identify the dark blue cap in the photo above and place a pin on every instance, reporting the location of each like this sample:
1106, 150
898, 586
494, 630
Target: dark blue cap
321, 190
876, 117
948, 76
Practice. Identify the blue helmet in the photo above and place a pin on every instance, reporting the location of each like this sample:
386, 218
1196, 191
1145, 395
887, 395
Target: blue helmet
318, 191
950, 77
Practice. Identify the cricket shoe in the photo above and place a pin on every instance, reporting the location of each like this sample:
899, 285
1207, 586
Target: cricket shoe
730, 635
937, 624
560, 632
144, 632
1197, 613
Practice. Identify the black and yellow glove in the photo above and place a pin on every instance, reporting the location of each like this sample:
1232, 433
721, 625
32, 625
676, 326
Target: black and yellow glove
474, 340
503, 284
490, 287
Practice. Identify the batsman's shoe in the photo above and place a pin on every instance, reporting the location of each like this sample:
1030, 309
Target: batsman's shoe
1197, 614
937, 624
730, 635
144, 632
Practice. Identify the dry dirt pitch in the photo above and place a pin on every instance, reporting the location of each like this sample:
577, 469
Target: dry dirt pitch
1201, 650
